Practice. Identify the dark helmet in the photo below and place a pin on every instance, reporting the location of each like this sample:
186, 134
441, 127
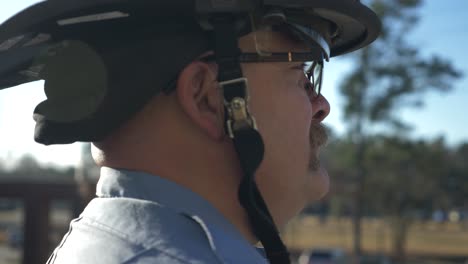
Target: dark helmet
112, 46
102, 60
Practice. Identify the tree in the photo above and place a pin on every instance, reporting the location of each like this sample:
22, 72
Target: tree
456, 181
389, 75
406, 180
27, 164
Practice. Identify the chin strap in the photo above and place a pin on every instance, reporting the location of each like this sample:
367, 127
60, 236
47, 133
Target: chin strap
248, 142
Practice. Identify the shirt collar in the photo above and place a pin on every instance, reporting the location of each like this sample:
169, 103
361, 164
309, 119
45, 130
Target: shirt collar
145, 186
141, 185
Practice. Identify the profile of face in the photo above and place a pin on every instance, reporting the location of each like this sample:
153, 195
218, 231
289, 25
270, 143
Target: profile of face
289, 120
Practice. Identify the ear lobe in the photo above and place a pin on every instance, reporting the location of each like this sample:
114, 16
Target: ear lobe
201, 99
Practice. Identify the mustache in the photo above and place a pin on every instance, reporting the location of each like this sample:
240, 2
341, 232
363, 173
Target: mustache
318, 135
318, 138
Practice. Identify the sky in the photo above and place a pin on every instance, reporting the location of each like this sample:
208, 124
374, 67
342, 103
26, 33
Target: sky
442, 31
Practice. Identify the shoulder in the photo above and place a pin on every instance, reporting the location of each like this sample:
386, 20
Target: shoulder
123, 230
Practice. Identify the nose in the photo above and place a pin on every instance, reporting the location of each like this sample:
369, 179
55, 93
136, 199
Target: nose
320, 108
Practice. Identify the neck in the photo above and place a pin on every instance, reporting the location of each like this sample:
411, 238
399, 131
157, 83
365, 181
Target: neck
212, 175
181, 153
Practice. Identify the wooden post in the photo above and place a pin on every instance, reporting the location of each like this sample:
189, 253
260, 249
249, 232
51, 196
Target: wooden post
37, 198
36, 229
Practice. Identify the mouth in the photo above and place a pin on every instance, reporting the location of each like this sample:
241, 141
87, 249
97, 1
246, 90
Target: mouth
318, 136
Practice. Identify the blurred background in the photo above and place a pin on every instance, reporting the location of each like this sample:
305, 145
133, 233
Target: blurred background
397, 157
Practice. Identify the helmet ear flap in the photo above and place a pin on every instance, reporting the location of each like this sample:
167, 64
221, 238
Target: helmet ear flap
75, 82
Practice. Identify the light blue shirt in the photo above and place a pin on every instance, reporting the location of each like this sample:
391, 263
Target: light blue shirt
142, 218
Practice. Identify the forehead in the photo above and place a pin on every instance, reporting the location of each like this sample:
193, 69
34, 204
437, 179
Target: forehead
273, 41
279, 39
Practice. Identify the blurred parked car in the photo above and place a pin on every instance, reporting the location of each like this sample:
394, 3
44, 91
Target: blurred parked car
374, 259
8, 205
324, 256
15, 237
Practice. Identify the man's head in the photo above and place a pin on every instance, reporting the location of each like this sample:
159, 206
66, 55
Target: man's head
185, 129
249, 110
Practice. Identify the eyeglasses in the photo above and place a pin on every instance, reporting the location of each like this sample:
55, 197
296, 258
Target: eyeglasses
315, 75
314, 72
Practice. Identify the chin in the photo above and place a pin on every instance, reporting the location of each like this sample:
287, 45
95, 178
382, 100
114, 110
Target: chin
319, 184
323, 174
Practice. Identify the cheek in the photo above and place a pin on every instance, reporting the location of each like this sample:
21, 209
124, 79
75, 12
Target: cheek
280, 103
286, 114
283, 112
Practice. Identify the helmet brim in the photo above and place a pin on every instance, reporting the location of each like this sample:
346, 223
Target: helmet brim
356, 25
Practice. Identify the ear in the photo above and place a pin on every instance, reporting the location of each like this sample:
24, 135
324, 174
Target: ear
201, 99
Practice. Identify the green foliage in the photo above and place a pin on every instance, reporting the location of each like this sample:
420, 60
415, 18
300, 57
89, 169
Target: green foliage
28, 170
405, 176
405, 180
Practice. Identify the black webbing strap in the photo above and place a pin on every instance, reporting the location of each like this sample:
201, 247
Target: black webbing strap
247, 141
249, 147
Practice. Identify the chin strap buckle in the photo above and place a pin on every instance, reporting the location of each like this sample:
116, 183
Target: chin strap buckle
239, 116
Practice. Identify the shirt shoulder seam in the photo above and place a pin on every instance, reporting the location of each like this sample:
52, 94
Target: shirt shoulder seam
139, 254
90, 222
